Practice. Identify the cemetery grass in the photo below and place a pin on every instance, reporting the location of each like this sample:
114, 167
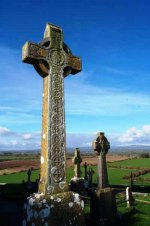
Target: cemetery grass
134, 216
137, 216
115, 176
116, 170
137, 163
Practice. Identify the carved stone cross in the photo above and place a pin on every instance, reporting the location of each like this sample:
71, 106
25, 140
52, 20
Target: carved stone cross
53, 60
77, 161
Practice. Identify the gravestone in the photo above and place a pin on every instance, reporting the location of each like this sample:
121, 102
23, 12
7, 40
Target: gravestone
131, 180
29, 172
53, 205
90, 174
77, 162
103, 205
129, 197
85, 171
101, 146
77, 182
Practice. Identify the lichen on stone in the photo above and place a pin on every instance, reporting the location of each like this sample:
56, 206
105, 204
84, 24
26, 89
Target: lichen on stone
70, 204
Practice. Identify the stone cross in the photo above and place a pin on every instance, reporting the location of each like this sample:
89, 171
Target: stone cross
53, 60
101, 145
29, 172
90, 173
77, 161
85, 171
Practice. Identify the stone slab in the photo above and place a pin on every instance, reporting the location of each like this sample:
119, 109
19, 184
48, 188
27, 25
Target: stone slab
103, 204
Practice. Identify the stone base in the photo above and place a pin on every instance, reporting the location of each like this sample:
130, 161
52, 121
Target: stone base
63, 209
77, 185
103, 204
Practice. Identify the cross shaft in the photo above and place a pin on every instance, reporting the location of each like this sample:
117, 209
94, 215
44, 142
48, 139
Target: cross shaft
53, 60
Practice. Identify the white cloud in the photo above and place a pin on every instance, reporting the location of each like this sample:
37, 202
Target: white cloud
136, 136
31, 141
4, 131
27, 136
11, 140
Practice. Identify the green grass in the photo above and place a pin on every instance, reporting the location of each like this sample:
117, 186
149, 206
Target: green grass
139, 163
132, 217
146, 176
17, 178
115, 176
135, 217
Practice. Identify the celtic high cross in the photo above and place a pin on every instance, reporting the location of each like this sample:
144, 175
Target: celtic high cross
53, 60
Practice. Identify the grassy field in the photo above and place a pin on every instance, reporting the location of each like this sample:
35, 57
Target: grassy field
115, 174
18, 156
137, 216
137, 163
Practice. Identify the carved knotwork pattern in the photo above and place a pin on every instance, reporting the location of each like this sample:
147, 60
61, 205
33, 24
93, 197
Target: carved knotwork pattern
57, 57
53, 60
57, 124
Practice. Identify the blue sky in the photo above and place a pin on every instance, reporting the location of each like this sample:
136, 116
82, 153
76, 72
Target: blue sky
111, 94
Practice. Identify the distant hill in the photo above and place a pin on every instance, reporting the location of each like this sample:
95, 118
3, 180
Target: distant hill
118, 149
130, 148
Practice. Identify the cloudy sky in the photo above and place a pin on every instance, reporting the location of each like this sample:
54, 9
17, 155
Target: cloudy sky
112, 92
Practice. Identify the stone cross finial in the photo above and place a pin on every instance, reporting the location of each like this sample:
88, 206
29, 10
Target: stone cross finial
53, 60
77, 161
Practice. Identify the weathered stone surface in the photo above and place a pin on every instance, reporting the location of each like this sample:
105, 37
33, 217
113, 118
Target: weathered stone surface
77, 161
102, 172
63, 209
101, 146
77, 182
103, 204
53, 60
53, 206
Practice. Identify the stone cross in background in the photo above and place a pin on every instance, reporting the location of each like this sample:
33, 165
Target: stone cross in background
77, 161
101, 145
90, 173
29, 172
102, 203
53, 60
85, 171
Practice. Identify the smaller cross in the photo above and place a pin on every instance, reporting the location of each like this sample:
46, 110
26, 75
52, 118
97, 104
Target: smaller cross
90, 173
85, 171
77, 161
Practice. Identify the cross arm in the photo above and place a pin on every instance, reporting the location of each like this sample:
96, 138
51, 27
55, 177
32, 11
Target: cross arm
32, 52
74, 64
36, 55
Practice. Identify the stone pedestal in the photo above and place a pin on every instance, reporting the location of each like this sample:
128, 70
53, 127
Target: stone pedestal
63, 209
77, 185
103, 204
